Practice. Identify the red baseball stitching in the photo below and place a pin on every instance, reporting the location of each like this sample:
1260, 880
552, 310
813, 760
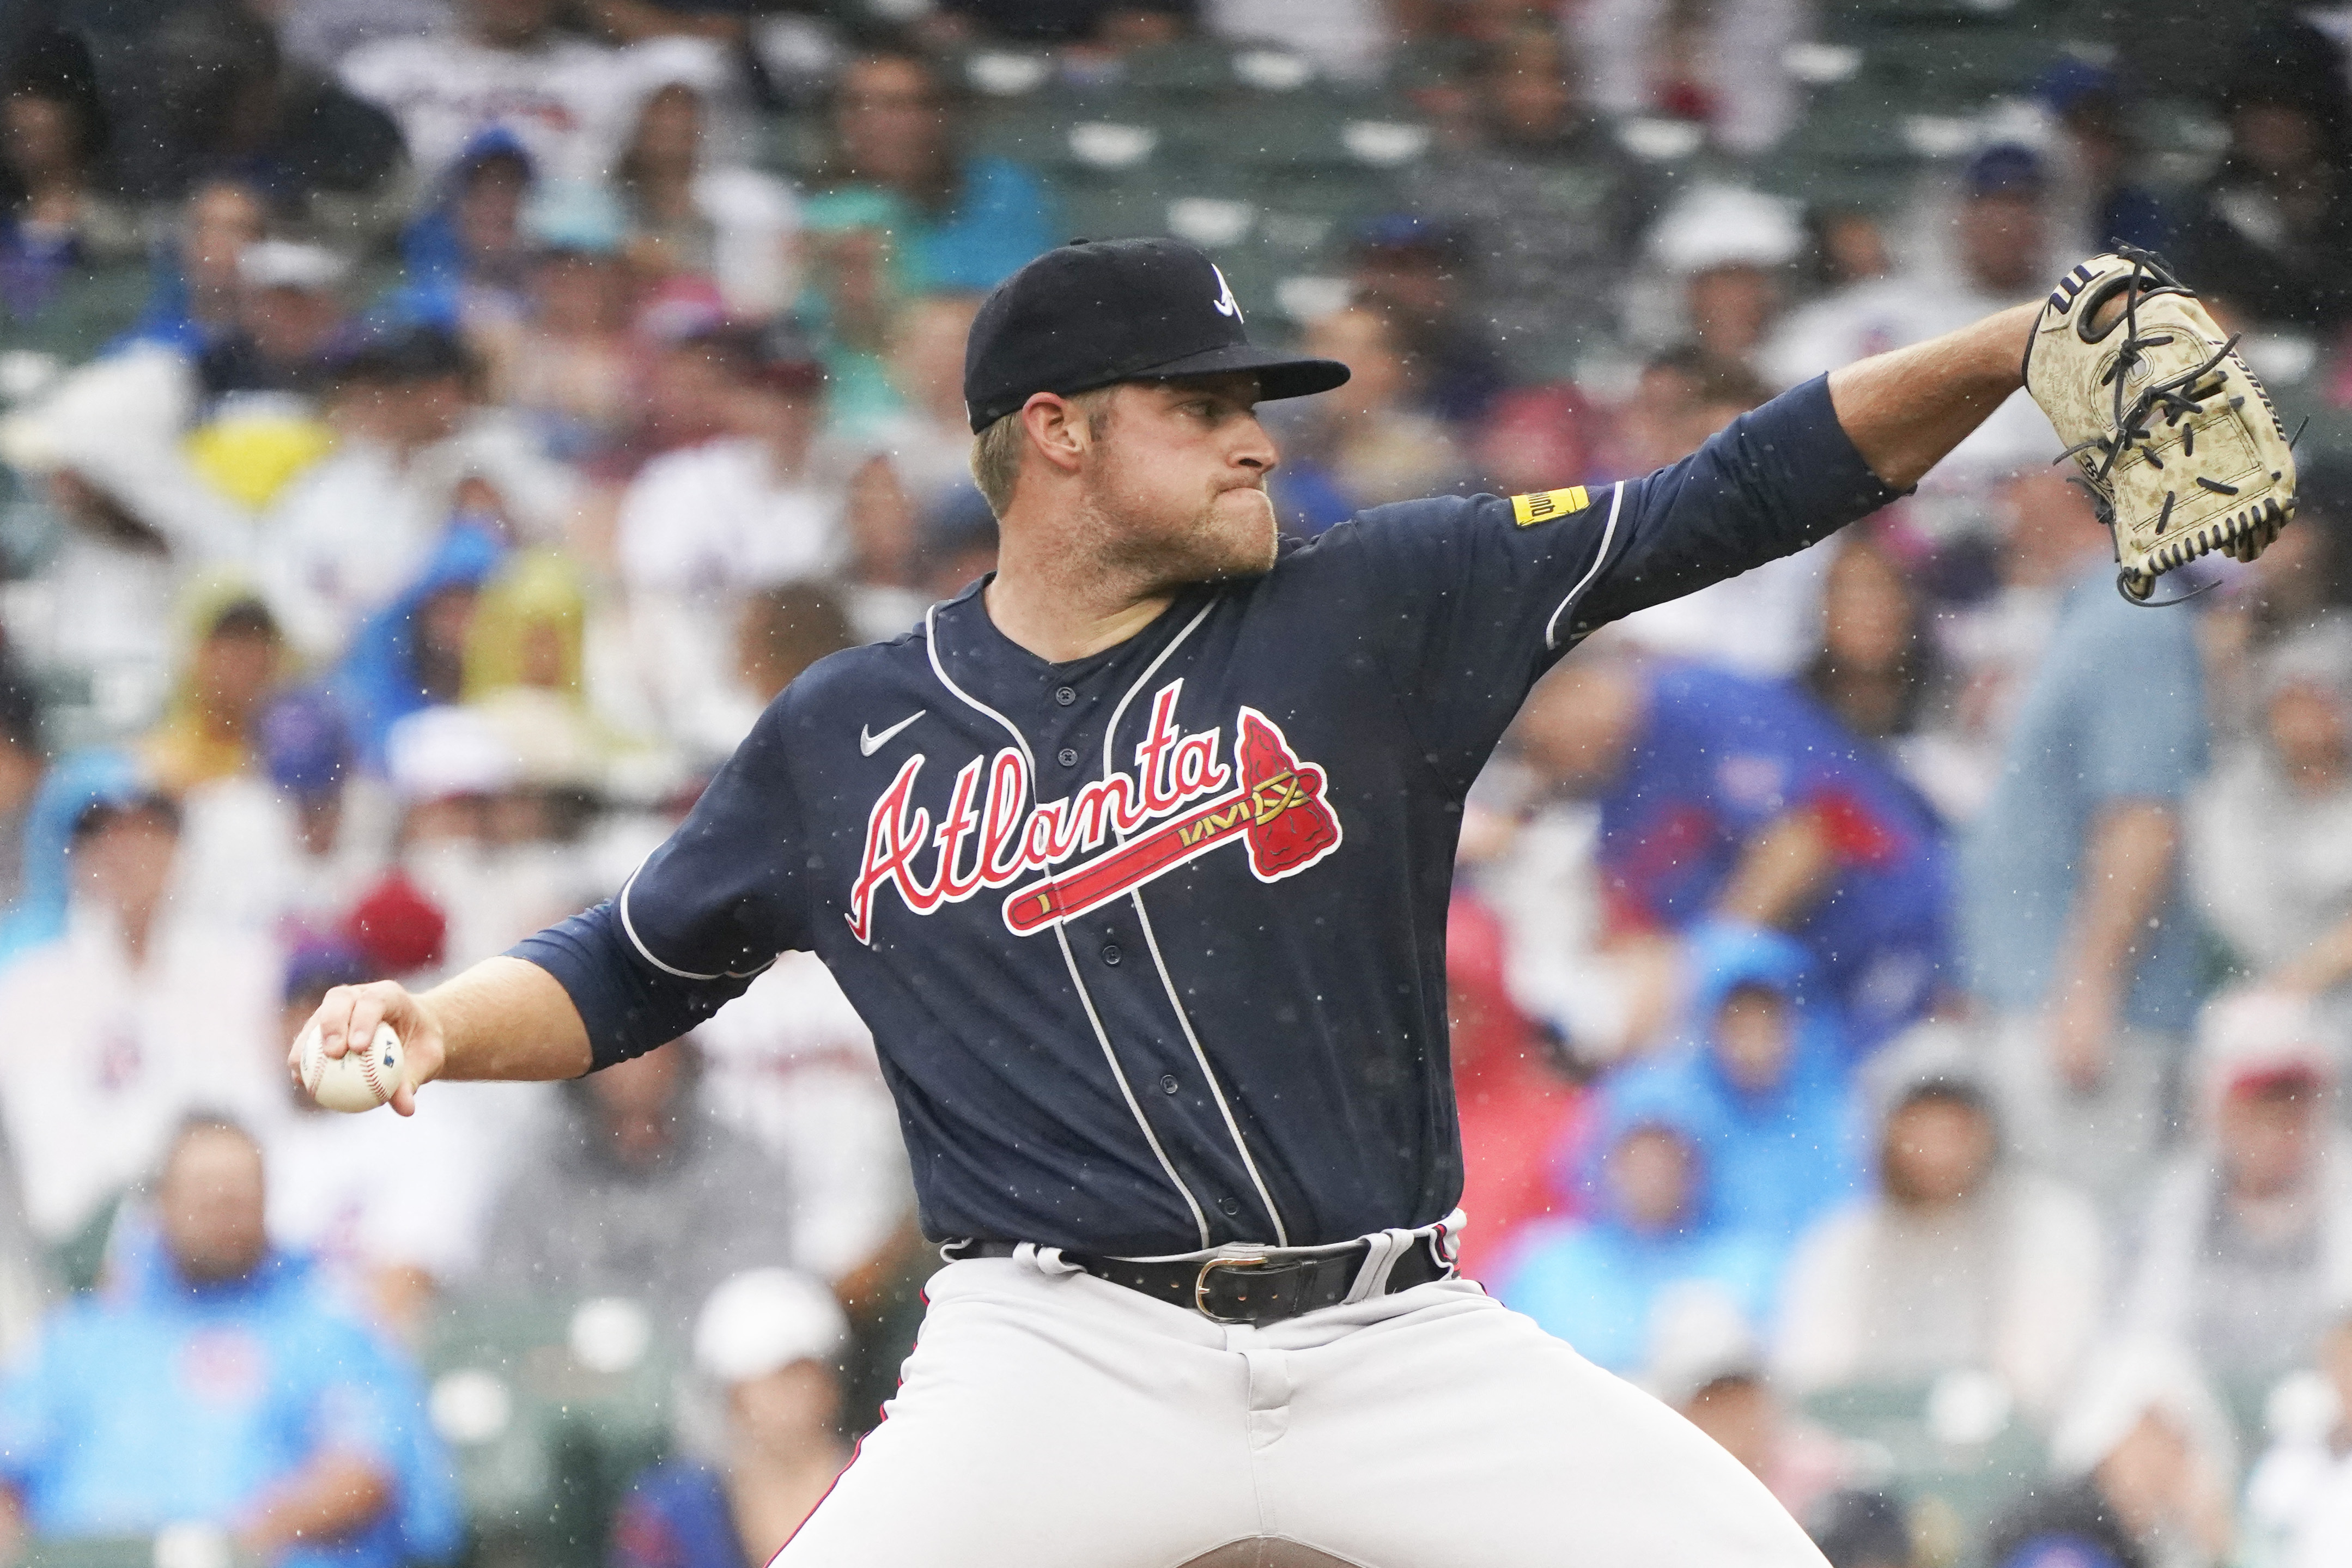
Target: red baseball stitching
367, 1068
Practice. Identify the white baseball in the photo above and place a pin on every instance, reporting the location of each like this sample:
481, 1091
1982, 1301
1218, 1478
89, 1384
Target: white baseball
356, 1081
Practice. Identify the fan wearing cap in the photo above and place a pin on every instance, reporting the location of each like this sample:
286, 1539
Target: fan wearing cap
2246, 1251
767, 1343
1135, 857
291, 320
1999, 254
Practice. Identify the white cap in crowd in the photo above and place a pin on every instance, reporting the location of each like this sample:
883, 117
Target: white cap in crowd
1726, 225
436, 753
764, 1320
2318, 656
1698, 1337
290, 264
2134, 1377
2247, 1037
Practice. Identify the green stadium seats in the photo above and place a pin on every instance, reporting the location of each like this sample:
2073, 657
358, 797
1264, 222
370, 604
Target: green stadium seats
90, 308
1960, 69
792, 144
1843, 18
1951, 1449
1197, 67
182, 1548
550, 1410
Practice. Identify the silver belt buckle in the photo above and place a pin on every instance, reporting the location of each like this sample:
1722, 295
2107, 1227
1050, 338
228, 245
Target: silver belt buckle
1201, 1286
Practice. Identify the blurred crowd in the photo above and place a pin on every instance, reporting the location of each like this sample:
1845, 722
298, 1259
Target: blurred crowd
1899, 994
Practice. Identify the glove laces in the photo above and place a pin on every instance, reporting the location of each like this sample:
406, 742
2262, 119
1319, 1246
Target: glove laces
2133, 422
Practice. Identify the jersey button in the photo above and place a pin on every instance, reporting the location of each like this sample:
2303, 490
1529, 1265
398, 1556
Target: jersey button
1231, 1205
1111, 954
1065, 695
1067, 756
1168, 1082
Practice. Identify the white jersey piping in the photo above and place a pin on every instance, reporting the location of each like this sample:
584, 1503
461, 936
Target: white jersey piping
1149, 671
1061, 934
1152, 940
628, 925
1233, 1128
1608, 534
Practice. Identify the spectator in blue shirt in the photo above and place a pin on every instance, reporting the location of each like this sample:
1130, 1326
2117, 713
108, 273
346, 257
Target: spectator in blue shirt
2070, 927
955, 221
214, 1381
1728, 798
197, 294
53, 219
409, 655
1655, 1232
465, 252
898, 210
1761, 1078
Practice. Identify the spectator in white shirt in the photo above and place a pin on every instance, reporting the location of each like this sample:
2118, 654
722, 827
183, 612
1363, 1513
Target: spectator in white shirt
2000, 234
697, 212
1718, 65
292, 845
413, 447
130, 1020
569, 101
2246, 1251
2269, 832
479, 835
703, 527
1959, 1260
792, 1064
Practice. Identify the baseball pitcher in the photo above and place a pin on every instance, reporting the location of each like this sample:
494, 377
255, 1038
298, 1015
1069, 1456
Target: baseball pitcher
1135, 857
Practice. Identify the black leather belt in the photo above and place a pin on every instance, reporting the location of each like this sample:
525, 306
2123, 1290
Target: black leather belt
1244, 1289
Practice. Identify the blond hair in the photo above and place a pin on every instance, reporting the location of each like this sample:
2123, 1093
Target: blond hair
996, 451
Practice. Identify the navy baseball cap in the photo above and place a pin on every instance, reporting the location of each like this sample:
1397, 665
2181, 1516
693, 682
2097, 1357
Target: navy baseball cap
2005, 169
1094, 311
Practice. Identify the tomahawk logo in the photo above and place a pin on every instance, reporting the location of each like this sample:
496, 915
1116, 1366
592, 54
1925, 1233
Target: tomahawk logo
1181, 802
1224, 303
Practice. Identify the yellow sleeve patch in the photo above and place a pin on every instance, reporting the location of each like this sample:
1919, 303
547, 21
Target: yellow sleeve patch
1545, 505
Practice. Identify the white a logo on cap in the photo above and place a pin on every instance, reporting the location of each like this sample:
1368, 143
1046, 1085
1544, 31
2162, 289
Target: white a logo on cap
1225, 303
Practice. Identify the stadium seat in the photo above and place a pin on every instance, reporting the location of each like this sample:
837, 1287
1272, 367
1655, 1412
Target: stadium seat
1841, 18
545, 1441
91, 309
1961, 1477
1956, 68
132, 1552
1849, 149
107, 1551
1193, 68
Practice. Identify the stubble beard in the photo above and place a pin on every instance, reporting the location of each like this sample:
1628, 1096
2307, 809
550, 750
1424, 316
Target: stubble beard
1221, 540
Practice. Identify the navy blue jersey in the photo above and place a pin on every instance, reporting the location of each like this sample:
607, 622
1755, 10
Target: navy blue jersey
1152, 943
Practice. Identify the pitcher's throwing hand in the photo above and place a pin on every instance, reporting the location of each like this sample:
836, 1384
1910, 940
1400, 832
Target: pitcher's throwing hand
350, 1016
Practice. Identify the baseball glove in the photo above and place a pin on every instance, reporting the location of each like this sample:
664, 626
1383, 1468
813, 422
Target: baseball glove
2179, 444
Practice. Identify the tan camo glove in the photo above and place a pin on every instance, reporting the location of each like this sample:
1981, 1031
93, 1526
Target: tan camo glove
2177, 440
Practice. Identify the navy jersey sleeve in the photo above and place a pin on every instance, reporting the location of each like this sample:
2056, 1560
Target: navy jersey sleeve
1472, 599
706, 912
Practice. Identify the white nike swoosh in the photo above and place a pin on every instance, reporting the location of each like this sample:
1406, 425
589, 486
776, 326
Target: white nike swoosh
869, 743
